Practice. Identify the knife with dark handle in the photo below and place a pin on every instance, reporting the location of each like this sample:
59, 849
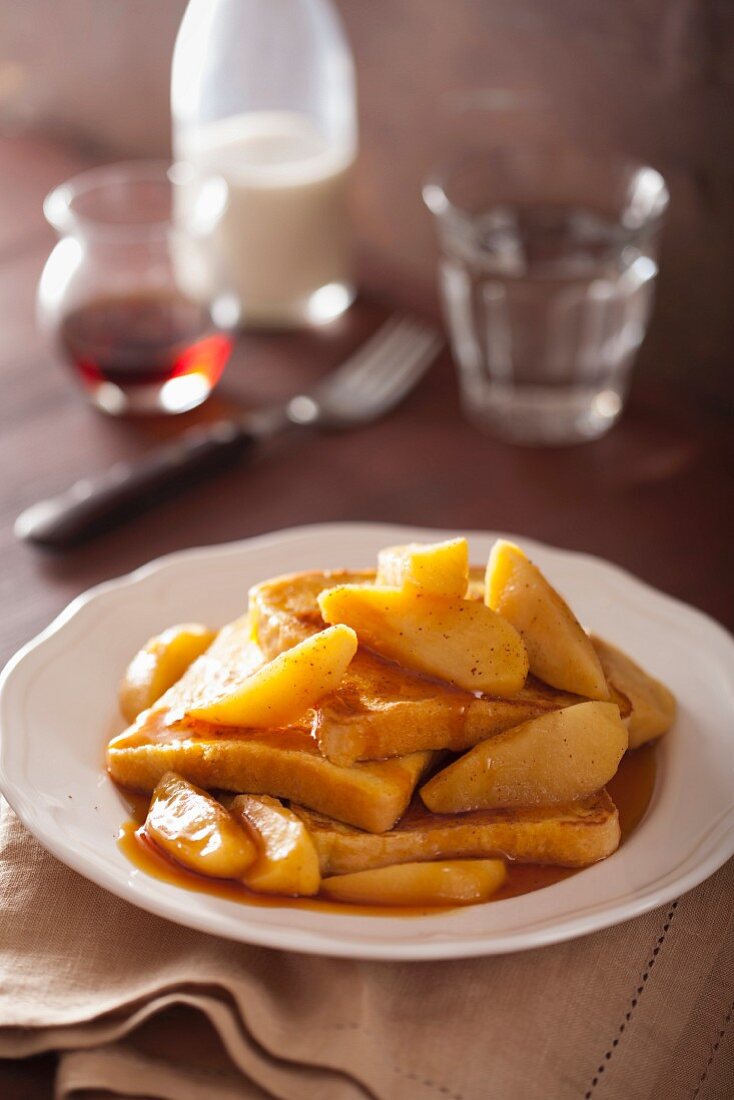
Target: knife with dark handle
369, 384
94, 504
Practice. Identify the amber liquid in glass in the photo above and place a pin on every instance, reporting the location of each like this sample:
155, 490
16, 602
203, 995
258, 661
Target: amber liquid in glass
131, 347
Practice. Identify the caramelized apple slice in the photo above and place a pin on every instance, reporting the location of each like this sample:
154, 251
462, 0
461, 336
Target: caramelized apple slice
461, 641
559, 649
282, 691
452, 882
560, 757
287, 862
160, 664
438, 568
653, 706
191, 827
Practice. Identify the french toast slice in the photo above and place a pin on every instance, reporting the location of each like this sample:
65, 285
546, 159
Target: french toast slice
285, 609
381, 709
370, 796
572, 835
283, 763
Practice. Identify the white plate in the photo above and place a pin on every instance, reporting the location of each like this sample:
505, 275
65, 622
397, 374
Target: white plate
57, 709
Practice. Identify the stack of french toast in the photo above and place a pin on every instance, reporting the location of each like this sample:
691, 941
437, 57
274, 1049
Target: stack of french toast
395, 736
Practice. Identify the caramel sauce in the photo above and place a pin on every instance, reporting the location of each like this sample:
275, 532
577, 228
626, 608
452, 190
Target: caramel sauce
630, 789
144, 855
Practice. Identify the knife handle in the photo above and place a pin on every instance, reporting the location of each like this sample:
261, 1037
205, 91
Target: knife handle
97, 503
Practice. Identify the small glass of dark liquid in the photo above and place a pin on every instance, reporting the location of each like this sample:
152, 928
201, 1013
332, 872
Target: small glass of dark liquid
119, 296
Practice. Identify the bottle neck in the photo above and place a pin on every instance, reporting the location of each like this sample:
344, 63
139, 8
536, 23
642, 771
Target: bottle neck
237, 58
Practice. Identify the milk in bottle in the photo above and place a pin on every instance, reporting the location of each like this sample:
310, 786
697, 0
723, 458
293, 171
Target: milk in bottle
263, 101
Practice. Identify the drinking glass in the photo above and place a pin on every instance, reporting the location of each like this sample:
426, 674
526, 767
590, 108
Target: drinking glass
111, 297
548, 261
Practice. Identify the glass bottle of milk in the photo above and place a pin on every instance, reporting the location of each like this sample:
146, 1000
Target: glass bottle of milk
263, 102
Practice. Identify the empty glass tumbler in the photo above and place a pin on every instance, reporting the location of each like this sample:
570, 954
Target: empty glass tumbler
548, 261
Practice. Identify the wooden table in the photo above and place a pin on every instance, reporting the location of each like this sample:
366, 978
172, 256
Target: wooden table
654, 496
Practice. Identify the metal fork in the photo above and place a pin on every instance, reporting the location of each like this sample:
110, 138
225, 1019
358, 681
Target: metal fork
367, 385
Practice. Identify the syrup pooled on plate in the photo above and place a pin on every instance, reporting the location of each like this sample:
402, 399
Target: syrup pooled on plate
631, 790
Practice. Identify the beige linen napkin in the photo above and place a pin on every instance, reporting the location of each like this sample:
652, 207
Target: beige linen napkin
637, 1012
